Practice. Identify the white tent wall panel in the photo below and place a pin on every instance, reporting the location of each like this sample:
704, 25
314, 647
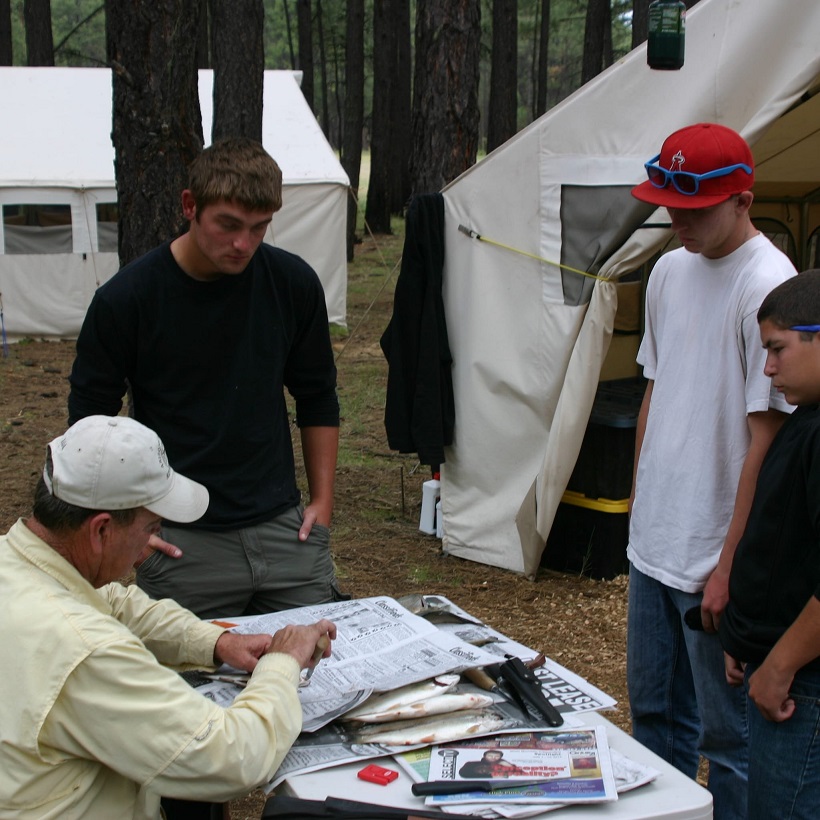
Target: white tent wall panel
46, 295
324, 247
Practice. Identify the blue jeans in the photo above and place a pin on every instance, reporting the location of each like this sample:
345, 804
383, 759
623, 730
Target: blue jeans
784, 770
681, 705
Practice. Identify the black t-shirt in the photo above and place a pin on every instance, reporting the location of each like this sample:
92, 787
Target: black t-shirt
207, 362
776, 568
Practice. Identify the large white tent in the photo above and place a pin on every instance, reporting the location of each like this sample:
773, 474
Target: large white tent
529, 338
56, 153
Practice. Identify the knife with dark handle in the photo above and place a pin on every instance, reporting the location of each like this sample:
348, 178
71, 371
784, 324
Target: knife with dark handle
432, 787
525, 682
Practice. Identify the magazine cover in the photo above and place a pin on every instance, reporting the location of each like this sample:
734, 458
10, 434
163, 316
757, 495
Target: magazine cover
574, 763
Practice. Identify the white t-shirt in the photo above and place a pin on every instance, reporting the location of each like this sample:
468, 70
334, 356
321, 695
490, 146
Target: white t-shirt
702, 349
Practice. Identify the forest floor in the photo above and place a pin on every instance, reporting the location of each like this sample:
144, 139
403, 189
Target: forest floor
377, 546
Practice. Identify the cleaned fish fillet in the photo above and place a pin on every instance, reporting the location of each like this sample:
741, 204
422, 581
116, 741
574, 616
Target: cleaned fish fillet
404, 696
437, 729
438, 705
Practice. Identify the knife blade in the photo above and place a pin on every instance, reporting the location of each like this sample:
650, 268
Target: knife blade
432, 787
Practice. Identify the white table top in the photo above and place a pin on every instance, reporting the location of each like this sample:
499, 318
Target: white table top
672, 796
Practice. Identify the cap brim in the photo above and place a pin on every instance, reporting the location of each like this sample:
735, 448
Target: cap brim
186, 502
668, 197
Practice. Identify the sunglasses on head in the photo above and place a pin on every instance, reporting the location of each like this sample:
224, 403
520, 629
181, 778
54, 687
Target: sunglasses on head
685, 182
806, 328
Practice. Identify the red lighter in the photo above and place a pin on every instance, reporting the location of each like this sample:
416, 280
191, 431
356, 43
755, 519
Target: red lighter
377, 774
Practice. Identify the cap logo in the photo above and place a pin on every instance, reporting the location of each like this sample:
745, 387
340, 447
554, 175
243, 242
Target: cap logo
163, 459
677, 162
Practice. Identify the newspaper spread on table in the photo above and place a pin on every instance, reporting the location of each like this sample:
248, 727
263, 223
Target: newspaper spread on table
379, 646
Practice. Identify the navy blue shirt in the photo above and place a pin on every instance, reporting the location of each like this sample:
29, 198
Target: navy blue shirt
207, 363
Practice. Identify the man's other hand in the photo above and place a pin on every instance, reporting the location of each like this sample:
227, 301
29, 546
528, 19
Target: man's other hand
300, 642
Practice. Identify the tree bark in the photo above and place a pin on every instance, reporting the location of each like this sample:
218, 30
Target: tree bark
39, 38
640, 21
594, 39
543, 59
503, 110
445, 94
157, 125
351, 145
304, 25
377, 210
6, 53
203, 37
238, 58
323, 70
401, 140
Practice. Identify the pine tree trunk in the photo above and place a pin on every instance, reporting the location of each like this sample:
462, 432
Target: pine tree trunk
503, 112
594, 39
304, 25
6, 53
157, 125
377, 210
238, 58
543, 59
445, 94
640, 22
401, 141
39, 39
351, 148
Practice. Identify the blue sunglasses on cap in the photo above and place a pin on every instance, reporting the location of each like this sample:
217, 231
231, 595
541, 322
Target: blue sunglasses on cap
685, 182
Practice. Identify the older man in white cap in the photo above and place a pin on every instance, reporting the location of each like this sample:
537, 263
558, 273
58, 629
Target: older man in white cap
95, 723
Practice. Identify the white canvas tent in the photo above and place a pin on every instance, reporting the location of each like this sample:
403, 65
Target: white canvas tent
56, 151
528, 339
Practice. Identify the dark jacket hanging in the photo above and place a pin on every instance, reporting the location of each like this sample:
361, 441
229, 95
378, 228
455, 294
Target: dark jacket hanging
420, 411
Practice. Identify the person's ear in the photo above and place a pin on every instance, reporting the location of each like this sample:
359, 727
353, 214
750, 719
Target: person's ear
744, 200
99, 532
188, 205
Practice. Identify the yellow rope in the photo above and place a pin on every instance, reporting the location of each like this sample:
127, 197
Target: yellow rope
476, 235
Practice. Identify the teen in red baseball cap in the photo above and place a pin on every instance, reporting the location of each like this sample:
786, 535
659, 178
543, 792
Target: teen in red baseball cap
698, 166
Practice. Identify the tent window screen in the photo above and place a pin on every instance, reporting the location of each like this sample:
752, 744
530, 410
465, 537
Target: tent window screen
33, 229
107, 217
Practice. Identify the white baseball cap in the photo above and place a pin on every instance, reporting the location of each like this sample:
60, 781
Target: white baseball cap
116, 463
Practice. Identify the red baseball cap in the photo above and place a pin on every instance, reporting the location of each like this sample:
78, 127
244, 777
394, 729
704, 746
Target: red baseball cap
697, 149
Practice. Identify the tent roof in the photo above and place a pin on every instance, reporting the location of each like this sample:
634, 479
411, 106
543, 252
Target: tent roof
57, 128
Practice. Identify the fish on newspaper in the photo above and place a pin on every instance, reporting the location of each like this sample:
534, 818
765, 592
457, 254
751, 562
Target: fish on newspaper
438, 705
437, 729
404, 696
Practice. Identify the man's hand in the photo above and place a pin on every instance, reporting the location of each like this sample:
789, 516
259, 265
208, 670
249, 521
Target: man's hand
156, 544
734, 670
300, 642
715, 598
313, 514
769, 689
240, 651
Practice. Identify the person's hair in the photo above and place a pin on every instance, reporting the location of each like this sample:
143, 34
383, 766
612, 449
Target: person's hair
61, 517
794, 302
236, 169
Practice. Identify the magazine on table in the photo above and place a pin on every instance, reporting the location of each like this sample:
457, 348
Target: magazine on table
574, 764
